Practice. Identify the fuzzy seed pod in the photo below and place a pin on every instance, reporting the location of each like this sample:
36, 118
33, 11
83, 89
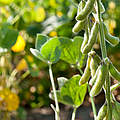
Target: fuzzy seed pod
101, 77
92, 38
111, 39
86, 75
86, 10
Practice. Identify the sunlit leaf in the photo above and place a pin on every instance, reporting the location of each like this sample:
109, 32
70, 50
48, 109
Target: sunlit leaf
72, 89
71, 50
51, 50
70, 92
40, 40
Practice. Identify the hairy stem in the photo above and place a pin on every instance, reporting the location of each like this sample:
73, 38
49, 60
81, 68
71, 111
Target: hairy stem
73, 114
104, 55
54, 92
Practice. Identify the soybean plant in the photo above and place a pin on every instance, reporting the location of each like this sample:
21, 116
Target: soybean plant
97, 71
101, 69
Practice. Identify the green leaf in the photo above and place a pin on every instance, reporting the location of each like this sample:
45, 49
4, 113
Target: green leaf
62, 99
61, 81
40, 40
51, 50
37, 54
8, 37
72, 90
71, 50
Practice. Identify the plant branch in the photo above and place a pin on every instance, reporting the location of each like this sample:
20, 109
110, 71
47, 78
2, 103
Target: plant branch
73, 114
104, 55
93, 104
54, 92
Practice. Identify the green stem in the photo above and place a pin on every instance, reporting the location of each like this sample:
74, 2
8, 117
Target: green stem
112, 88
104, 55
93, 104
54, 92
73, 114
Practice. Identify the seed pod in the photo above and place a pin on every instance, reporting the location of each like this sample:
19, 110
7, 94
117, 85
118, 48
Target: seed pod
97, 87
96, 56
102, 8
92, 38
95, 60
80, 6
117, 104
86, 10
115, 112
93, 66
114, 72
85, 41
79, 26
86, 75
93, 79
111, 39
102, 112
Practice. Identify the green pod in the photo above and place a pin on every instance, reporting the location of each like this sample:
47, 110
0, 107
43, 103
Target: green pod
80, 25
95, 56
86, 10
92, 38
102, 8
80, 6
115, 112
95, 61
86, 75
93, 66
114, 72
117, 104
97, 87
85, 41
102, 112
111, 39
93, 79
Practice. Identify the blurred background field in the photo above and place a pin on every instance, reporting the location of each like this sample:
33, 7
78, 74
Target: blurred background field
24, 80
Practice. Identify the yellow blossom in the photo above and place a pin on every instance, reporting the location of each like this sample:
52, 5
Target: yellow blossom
59, 14
112, 5
53, 3
6, 2
112, 26
22, 65
39, 14
12, 102
5, 12
31, 4
30, 58
9, 101
19, 45
53, 33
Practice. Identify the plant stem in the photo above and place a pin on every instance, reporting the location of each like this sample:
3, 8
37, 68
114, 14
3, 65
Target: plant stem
73, 114
54, 92
93, 104
104, 55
